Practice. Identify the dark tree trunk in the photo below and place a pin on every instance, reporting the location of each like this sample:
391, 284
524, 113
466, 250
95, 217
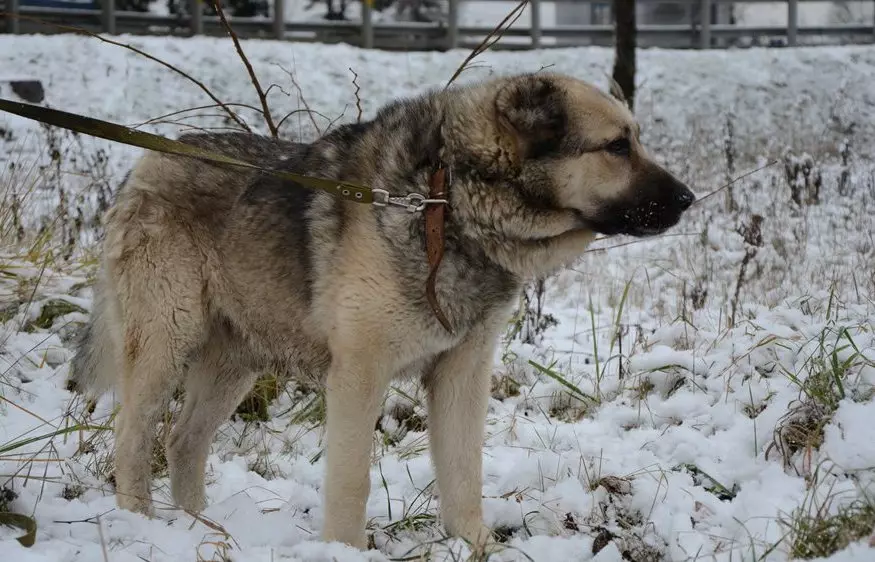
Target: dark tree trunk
624, 61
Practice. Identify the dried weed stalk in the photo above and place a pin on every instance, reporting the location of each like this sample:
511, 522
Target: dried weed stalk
255, 83
753, 241
358, 99
490, 39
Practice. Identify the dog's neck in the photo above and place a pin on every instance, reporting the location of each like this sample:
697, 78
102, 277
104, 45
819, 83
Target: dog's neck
489, 210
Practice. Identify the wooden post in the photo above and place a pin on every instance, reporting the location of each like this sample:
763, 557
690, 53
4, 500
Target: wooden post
107, 16
279, 19
535, 6
12, 22
792, 21
453, 24
197, 18
367, 24
705, 23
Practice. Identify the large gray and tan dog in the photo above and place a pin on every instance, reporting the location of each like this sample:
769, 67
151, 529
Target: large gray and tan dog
213, 274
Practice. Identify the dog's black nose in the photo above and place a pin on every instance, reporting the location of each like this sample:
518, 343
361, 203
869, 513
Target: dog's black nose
686, 198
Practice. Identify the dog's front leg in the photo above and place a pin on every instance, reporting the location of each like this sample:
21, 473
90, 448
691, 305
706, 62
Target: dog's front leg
354, 392
458, 395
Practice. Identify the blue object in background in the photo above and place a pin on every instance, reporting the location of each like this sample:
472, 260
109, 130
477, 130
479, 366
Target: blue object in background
80, 4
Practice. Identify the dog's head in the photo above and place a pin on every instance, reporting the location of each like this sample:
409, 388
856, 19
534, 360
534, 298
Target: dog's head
574, 147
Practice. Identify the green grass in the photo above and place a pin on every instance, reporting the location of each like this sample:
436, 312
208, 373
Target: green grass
52, 310
818, 534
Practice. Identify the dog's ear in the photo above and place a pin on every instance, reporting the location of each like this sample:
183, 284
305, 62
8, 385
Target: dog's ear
533, 110
617, 91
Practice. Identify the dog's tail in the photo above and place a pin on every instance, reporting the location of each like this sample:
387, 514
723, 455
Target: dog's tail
93, 370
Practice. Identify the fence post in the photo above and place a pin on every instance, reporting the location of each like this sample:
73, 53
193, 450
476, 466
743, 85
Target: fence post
279, 19
107, 16
705, 24
196, 23
12, 22
535, 7
453, 24
367, 24
792, 21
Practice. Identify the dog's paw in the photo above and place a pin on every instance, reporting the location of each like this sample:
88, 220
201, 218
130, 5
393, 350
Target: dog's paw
136, 505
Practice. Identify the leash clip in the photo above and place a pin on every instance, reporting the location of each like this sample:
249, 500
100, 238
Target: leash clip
413, 202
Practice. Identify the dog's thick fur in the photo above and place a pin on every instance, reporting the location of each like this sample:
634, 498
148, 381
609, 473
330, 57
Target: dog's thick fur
212, 274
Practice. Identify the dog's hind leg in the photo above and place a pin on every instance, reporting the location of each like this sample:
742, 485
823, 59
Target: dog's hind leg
216, 383
159, 287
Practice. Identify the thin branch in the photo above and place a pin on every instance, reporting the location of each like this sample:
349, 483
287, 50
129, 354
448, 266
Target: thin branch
358, 100
182, 73
301, 97
210, 106
637, 241
734, 180
498, 33
336, 119
296, 111
261, 97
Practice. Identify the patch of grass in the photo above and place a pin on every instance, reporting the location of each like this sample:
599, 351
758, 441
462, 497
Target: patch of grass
254, 406
505, 386
818, 534
7, 496
72, 491
643, 389
312, 413
829, 380
52, 310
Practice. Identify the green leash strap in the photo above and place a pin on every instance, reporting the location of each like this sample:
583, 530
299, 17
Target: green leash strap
22, 522
142, 139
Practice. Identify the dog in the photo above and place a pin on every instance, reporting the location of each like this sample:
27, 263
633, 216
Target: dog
211, 274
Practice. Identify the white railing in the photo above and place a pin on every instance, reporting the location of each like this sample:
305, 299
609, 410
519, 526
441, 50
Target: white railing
696, 33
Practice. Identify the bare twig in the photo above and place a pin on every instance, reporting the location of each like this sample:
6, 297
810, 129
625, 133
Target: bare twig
294, 112
93, 519
734, 180
297, 86
189, 77
497, 33
261, 96
198, 108
358, 100
637, 241
102, 540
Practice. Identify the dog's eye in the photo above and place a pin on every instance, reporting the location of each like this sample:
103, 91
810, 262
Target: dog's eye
620, 147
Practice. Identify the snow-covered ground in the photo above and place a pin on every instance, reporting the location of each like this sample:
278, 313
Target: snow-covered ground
672, 428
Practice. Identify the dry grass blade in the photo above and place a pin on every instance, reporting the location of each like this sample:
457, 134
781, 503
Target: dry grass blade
189, 77
484, 45
261, 95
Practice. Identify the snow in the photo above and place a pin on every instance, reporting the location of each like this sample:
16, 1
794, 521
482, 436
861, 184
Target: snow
671, 451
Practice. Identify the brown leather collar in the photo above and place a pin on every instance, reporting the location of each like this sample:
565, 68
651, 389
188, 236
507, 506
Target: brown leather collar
435, 215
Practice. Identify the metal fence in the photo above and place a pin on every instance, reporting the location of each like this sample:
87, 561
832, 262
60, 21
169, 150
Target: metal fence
699, 32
